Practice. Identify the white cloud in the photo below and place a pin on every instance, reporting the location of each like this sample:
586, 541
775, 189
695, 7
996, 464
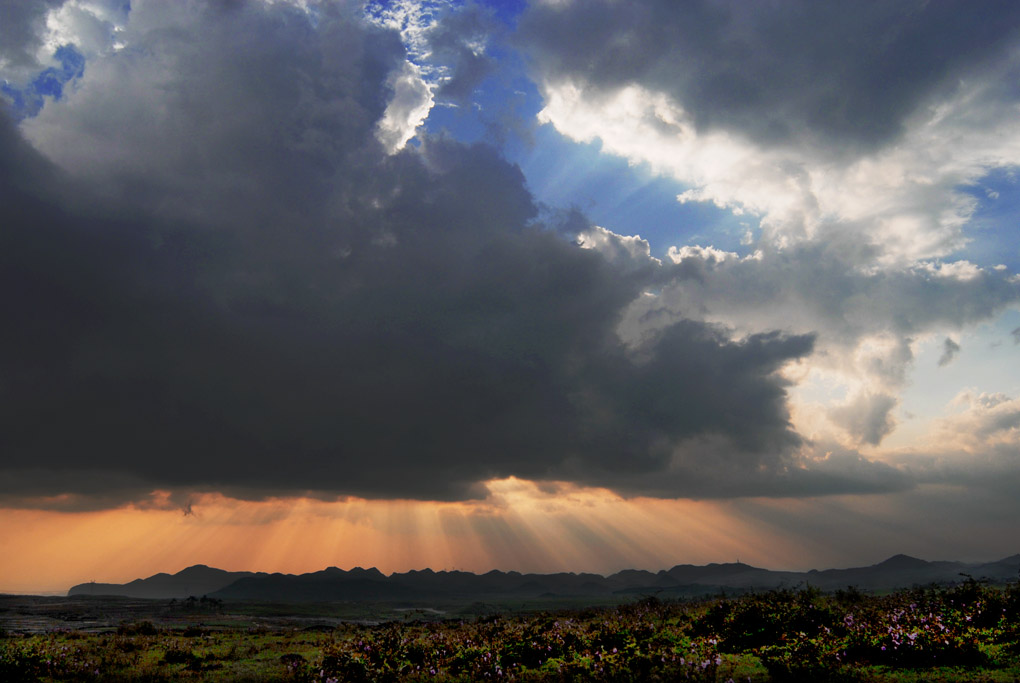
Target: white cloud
91, 25
407, 109
414, 86
862, 193
902, 199
628, 251
958, 270
866, 417
986, 420
978, 445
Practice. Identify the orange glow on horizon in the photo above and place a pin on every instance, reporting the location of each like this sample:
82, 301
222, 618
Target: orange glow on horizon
520, 526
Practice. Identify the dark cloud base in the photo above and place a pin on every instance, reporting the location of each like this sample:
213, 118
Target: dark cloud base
461, 347
841, 76
256, 299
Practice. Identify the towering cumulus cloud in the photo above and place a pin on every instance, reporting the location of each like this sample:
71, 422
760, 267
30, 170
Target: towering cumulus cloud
216, 276
858, 145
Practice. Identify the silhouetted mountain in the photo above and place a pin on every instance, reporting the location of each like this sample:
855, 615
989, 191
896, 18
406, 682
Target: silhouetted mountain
1007, 567
901, 563
733, 575
899, 571
329, 585
197, 580
358, 584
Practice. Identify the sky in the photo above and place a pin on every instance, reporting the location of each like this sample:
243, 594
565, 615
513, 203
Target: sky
546, 285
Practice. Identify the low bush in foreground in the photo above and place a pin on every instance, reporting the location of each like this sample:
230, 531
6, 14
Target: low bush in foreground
965, 632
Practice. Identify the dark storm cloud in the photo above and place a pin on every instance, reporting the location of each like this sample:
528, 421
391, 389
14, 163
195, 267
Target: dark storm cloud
227, 284
230, 115
462, 345
832, 74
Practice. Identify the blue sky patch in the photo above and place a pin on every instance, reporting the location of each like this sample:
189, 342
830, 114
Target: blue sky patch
994, 229
28, 101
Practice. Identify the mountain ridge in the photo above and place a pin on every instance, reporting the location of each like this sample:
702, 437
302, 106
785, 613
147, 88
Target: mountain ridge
360, 584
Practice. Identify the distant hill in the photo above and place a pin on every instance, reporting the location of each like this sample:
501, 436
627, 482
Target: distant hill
333, 584
197, 580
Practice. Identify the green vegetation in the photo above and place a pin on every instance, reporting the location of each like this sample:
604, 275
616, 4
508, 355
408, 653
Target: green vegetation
969, 632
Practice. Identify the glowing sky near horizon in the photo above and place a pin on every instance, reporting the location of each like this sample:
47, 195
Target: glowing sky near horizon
545, 286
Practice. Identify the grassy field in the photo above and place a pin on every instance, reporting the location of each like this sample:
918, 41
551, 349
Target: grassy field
970, 632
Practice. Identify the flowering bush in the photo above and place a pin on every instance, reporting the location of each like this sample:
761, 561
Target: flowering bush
627, 644
777, 636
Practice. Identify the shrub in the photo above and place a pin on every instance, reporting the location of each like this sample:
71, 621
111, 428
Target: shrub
141, 628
